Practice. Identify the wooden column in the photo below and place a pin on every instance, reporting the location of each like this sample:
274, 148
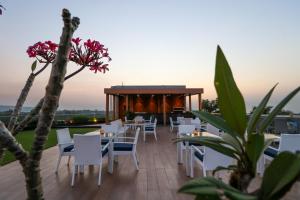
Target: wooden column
126, 103
190, 102
164, 110
199, 102
117, 107
184, 102
114, 107
107, 108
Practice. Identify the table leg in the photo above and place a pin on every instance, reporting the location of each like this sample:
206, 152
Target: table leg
110, 155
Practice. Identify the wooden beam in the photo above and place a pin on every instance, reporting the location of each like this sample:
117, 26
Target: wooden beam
107, 108
199, 102
184, 102
164, 110
190, 102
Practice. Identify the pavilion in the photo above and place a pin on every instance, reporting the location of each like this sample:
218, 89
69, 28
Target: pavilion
154, 99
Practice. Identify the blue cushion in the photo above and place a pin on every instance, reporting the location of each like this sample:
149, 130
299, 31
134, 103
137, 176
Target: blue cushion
271, 152
198, 155
69, 148
123, 147
104, 141
176, 123
104, 152
149, 129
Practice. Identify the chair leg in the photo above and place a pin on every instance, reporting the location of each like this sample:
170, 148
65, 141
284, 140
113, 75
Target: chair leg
135, 161
187, 155
137, 158
58, 162
144, 136
155, 135
73, 175
204, 171
192, 160
69, 160
99, 176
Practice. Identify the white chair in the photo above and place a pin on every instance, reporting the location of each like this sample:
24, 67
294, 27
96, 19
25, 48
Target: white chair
88, 151
173, 125
182, 130
197, 123
121, 129
150, 128
65, 145
214, 130
208, 158
288, 142
138, 119
180, 120
126, 148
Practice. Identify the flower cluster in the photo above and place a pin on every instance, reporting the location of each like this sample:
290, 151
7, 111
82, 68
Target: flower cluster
45, 52
91, 54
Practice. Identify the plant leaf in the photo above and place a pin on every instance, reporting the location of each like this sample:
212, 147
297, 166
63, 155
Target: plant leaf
265, 123
211, 188
230, 99
254, 148
259, 111
220, 168
280, 176
216, 144
33, 66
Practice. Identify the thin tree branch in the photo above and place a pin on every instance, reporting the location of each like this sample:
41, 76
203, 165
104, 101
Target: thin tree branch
9, 142
50, 105
74, 73
42, 69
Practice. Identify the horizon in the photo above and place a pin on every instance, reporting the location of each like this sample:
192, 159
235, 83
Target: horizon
159, 43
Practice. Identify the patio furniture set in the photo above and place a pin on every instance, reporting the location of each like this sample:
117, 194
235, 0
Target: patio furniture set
190, 153
110, 141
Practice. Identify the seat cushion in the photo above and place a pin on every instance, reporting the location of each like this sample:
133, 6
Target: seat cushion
104, 152
69, 148
104, 141
149, 128
123, 147
198, 155
271, 152
176, 123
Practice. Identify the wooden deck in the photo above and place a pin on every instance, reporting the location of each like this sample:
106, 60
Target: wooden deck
159, 176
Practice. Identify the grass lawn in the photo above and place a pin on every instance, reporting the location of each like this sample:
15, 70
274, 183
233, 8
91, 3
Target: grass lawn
26, 139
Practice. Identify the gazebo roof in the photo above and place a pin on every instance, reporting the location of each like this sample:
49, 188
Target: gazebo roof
152, 89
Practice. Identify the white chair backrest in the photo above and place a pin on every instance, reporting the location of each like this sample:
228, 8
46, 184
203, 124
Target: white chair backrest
117, 122
138, 118
197, 123
63, 136
289, 142
212, 159
113, 128
179, 118
212, 129
87, 149
188, 121
183, 129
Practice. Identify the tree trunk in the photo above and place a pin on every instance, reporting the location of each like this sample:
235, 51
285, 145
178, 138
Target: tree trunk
20, 102
51, 100
240, 180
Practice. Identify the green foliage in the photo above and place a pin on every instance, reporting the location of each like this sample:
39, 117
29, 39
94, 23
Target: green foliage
80, 119
210, 106
33, 66
243, 142
231, 101
129, 115
275, 184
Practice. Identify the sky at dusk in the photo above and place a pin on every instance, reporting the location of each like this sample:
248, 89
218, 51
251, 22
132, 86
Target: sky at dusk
158, 43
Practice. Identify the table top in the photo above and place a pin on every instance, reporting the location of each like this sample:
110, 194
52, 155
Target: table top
103, 135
